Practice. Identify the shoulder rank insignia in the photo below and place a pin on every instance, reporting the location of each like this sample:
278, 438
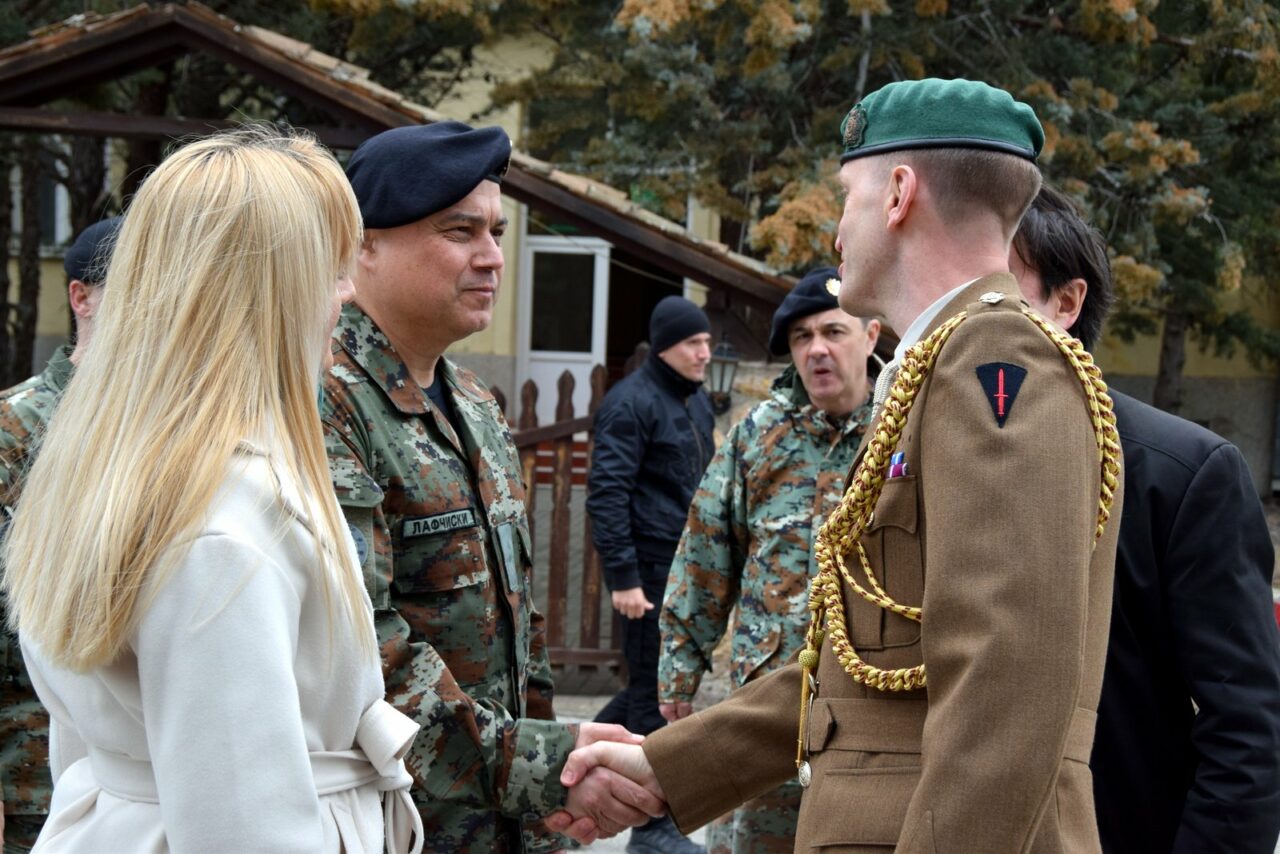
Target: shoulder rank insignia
1001, 381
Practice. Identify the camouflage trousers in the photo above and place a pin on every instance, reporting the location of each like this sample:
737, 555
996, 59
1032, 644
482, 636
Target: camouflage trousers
20, 832
766, 825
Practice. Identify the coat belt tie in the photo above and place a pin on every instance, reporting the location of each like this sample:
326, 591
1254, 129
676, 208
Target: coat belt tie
383, 738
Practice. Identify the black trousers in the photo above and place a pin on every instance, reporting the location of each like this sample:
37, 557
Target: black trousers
636, 705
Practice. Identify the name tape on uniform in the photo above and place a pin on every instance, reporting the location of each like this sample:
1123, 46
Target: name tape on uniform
439, 523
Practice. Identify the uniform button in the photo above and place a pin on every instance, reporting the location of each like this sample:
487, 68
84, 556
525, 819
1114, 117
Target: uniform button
991, 297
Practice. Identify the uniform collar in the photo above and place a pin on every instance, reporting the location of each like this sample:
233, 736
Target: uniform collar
950, 304
669, 378
789, 391
59, 369
369, 347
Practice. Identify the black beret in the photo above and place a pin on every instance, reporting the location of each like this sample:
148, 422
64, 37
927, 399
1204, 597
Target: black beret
816, 292
88, 257
405, 174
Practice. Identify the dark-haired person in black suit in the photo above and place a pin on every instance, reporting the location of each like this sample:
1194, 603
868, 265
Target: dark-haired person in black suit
1187, 752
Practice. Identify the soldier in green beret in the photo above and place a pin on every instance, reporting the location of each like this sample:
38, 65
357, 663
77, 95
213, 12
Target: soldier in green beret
946, 697
748, 546
25, 410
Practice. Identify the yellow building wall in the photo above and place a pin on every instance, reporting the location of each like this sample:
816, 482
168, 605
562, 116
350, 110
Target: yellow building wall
1141, 357
53, 313
505, 60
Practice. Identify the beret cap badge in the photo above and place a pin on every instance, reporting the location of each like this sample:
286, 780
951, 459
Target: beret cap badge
854, 126
816, 292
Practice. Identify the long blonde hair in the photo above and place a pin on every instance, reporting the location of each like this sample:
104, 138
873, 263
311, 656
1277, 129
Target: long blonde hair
212, 331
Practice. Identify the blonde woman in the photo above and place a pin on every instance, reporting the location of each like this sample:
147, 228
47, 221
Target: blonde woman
184, 587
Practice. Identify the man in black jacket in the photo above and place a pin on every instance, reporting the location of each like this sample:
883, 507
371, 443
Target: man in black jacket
1187, 752
653, 440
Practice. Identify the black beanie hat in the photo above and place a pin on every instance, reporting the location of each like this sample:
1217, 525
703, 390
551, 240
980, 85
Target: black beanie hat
811, 295
673, 320
89, 255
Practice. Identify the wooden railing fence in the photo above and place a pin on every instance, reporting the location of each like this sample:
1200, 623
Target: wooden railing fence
554, 455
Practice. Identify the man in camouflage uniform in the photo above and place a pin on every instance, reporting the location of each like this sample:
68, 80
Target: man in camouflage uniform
779, 473
428, 478
24, 411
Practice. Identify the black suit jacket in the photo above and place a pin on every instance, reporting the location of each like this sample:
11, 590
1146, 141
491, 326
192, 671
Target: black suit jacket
1192, 622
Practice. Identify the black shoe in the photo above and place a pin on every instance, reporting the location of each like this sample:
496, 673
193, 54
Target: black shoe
661, 837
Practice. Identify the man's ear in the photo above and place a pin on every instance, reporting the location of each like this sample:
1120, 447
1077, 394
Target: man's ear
873, 335
368, 254
901, 195
1068, 301
80, 296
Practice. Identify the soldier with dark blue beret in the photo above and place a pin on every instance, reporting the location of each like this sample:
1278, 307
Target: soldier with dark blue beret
430, 483
89, 255
405, 174
25, 409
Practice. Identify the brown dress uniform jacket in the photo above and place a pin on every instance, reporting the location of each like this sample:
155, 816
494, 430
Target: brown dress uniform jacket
991, 531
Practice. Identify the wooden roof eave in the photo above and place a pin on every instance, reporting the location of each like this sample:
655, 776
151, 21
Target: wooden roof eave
66, 61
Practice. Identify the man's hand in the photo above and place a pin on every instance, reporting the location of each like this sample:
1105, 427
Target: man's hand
604, 803
626, 759
607, 803
631, 603
673, 712
611, 787
591, 732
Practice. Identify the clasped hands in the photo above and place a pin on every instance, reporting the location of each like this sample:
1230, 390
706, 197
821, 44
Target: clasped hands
611, 785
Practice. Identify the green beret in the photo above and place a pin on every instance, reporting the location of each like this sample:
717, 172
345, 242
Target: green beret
936, 113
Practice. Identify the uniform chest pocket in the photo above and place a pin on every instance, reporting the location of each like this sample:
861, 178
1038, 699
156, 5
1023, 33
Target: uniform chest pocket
440, 552
893, 547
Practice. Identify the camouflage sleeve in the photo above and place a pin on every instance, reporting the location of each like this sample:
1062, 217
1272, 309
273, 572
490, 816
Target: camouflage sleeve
705, 575
10, 464
472, 752
540, 694
14, 440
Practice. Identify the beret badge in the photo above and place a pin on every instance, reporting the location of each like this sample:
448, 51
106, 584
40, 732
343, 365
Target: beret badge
833, 287
854, 126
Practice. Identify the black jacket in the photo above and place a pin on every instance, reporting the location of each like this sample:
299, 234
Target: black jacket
1192, 621
653, 439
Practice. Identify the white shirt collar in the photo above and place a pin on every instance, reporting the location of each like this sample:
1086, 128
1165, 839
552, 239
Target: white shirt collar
921, 323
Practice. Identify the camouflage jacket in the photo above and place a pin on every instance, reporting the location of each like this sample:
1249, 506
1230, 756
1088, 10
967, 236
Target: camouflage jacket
439, 523
24, 724
749, 539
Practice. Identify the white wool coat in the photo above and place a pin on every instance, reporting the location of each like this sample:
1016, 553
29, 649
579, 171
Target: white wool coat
238, 702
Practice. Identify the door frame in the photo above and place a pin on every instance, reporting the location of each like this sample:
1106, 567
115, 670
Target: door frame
530, 245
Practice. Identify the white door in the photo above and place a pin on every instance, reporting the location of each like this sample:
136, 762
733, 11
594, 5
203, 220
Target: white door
563, 317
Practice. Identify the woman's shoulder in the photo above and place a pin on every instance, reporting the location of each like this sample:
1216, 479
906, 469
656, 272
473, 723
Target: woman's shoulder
258, 504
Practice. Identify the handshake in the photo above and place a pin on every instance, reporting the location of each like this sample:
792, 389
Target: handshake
611, 785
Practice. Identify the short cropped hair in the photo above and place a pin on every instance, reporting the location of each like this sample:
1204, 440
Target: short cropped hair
1055, 240
964, 180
